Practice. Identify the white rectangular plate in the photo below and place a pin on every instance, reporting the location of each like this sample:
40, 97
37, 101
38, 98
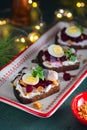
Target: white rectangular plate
53, 102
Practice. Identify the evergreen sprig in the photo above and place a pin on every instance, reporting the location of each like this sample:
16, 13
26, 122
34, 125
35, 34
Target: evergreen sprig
5, 51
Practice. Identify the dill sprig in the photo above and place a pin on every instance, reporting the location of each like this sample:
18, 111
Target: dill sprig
5, 51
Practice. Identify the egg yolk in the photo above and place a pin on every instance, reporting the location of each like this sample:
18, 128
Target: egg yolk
31, 80
73, 30
57, 49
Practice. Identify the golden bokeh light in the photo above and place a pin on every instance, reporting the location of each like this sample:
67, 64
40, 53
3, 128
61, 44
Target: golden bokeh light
3, 22
33, 37
61, 11
34, 4
37, 27
69, 15
30, 1
22, 40
80, 4
59, 15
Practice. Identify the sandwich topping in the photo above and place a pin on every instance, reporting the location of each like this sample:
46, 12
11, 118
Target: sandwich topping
36, 82
57, 56
72, 35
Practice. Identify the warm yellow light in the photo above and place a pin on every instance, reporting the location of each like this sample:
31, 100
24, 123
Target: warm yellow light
42, 24
2, 22
30, 1
59, 15
61, 11
80, 4
66, 12
34, 36
22, 48
37, 27
22, 40
17, 40
34, 4
69, 15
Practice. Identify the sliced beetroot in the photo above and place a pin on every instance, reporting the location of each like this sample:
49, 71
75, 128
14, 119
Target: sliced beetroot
66, 76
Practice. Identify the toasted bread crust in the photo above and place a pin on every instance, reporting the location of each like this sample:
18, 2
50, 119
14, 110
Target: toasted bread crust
59, 69
35, 98
70, 45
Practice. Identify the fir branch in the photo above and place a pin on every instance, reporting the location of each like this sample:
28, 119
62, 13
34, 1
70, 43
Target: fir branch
5, 51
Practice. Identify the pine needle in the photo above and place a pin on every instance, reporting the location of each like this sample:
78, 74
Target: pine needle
5, 51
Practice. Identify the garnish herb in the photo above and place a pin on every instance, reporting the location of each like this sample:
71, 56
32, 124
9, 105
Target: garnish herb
73, 58
38, 71
69, 54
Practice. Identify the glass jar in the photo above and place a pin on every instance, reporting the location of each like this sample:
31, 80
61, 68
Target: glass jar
21, 12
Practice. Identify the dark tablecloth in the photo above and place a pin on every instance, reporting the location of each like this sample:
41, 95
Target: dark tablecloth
12, 118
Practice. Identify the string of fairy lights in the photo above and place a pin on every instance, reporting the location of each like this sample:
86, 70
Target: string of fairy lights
65, 13
39, 26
